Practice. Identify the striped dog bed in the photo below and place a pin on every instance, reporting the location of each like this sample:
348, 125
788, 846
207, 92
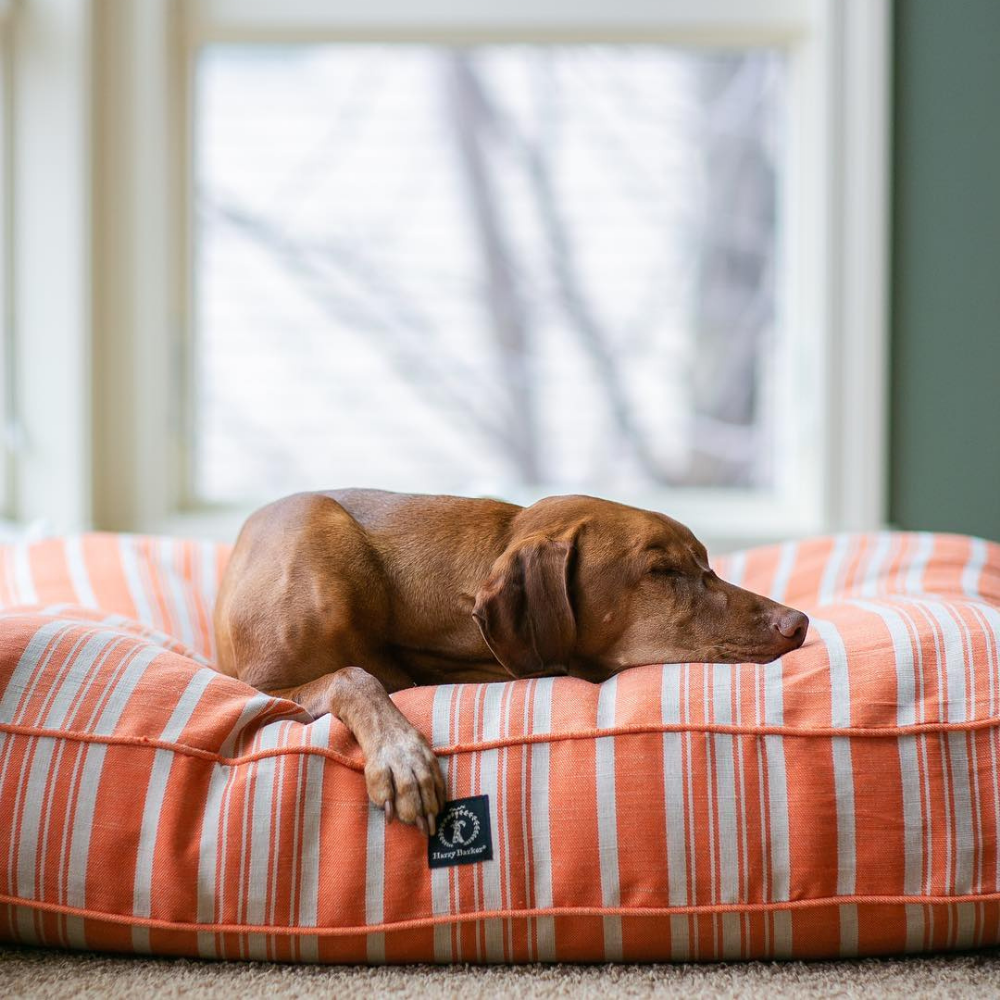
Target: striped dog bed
842, 801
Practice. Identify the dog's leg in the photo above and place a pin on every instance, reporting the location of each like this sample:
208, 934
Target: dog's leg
402, 774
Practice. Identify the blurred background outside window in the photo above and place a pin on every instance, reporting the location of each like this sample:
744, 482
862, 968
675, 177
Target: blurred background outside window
498, 269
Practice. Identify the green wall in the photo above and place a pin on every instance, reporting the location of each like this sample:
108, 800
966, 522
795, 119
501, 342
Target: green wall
945, 430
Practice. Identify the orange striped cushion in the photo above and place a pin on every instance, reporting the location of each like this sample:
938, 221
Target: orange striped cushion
842, 801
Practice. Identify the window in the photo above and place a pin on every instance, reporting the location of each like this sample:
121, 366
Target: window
635, 249
505, 269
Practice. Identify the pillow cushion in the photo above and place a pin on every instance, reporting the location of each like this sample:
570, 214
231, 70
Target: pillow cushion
841, 801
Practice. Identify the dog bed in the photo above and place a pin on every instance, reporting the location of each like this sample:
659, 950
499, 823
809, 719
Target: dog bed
841, 801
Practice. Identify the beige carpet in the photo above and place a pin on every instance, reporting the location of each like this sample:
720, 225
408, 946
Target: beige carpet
50, 974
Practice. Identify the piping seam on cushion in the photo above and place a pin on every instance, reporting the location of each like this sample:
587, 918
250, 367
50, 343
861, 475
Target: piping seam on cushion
509, 914
819, 732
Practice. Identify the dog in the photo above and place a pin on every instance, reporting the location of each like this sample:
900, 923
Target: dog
336, 599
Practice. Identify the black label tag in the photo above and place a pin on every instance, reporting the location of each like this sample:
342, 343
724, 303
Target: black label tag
463, 833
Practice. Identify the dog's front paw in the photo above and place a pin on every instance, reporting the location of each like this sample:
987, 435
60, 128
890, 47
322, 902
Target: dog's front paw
404, 779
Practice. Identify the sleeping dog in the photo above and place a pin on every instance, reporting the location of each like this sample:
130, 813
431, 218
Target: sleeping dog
336, 599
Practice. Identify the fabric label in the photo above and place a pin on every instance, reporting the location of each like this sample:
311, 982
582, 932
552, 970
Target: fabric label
463, 833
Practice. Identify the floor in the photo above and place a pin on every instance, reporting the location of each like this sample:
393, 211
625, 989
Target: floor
49, 974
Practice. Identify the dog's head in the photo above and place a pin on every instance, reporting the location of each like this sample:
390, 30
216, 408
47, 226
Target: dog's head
591, 587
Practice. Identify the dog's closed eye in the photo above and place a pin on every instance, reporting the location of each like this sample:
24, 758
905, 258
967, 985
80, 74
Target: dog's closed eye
669, 572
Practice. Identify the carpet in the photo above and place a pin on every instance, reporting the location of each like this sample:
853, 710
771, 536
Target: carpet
47, 975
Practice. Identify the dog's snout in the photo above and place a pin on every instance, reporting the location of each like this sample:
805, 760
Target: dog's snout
791, 625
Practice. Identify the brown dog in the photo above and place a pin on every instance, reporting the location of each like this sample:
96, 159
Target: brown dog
334, 599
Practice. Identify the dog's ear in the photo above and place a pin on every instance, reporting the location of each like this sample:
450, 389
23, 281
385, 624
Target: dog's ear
524, 610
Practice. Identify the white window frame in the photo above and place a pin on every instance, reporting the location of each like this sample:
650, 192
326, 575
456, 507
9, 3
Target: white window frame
137, 57
49, 277
8, 430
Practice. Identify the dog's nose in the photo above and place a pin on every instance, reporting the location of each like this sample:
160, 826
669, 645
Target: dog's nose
792, 625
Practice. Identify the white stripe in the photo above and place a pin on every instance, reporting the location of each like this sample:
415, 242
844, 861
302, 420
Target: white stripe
319, 736
526, 812
673, 788
777, 787
293, 877
831, 574
774, 702
254, 706
725, 780
261, 816
873, 571
840, 683
786, 563
286, 729
476, 902
710, 808
541, 841
441, 877
375, 882
77, 565
848, 930
973, 769
674, 801
155, 791
208, 588
965, 925
607, 819
187, 703
208, 854
680, 943
689, 795
974, 567
914, 580
741, 781
505, 781
902, 647
913, 836
178, 590
732, 938
914, 927
489, 781
782, 947
954, 660
965, 848
133, 577
924, 829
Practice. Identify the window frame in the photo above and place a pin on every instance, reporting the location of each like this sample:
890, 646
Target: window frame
8, 427
49, 298
140, 170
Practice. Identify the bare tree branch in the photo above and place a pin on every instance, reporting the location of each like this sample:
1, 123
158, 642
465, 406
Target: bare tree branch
579, 311
506, 309
734, 300
407, 359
